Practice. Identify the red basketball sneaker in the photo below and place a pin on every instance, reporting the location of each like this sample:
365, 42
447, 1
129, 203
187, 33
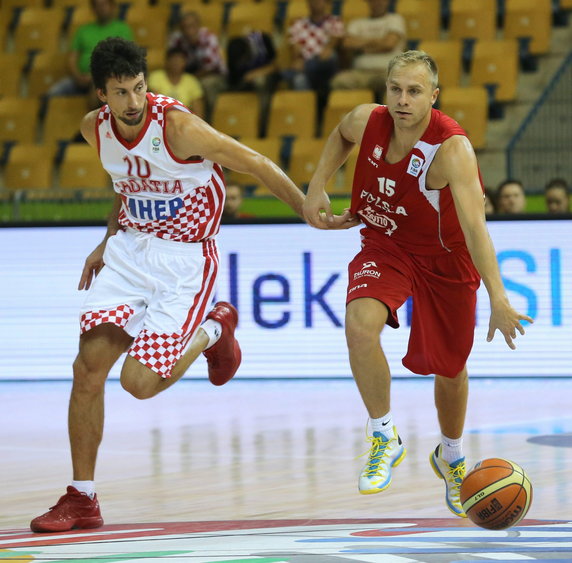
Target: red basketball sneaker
73, 510
223, 358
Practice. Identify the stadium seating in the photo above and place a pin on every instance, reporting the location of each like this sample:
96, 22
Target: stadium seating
237, 114
292, 113
29, 167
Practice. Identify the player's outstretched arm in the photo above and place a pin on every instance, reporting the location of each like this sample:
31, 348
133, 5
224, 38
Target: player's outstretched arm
188, 135
457, 163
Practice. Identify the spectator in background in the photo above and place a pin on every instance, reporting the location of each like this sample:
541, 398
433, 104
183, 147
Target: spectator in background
369, 45
204, 56
557, 196
511, 197
252, 65
490, 202
86, 37
174, 82
314, 45
233, 203
252, 62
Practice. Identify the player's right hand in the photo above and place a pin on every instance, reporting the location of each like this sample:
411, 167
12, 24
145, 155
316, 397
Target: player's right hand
92, 267
317, 212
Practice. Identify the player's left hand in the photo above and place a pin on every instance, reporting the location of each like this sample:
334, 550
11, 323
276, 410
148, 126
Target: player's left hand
505, 319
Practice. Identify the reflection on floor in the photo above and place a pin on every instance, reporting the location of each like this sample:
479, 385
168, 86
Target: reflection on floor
260, 451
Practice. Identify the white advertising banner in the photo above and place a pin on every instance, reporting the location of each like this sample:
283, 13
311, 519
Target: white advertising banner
288, 282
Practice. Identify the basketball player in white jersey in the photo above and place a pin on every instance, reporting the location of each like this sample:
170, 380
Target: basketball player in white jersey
418, 193
151, 280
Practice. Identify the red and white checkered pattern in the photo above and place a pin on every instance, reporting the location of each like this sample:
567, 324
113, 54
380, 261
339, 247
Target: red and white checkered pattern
201, 182
205, 55
312, 38
118, 316
158, 352
189, 225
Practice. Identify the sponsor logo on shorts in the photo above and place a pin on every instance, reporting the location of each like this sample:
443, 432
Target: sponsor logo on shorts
368, 269
360, 286
415, 166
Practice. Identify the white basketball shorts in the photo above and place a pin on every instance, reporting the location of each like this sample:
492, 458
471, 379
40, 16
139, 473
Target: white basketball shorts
157, 290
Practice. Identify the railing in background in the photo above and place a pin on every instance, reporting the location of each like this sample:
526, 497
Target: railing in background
541, 149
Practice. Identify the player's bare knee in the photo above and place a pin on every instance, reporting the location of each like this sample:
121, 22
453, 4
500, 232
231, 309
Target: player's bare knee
87, 377
139, 381
359, 335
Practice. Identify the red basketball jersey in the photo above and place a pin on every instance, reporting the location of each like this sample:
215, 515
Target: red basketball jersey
393, 199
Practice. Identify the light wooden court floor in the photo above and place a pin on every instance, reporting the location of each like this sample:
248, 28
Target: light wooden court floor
274, 449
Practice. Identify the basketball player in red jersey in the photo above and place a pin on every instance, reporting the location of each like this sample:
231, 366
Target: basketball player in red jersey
152, 279
418, 193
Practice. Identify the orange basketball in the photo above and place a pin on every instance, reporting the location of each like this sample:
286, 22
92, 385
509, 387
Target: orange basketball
496, 494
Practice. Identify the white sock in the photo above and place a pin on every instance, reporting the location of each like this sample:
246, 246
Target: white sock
383, 424
213, 330
451, 450
85, 487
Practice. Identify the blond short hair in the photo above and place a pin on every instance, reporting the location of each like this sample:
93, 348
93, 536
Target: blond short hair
416, 57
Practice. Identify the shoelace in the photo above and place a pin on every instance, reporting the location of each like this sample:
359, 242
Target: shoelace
456, 477
378, 447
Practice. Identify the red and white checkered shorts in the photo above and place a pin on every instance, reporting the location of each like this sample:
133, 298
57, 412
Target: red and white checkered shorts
157, 290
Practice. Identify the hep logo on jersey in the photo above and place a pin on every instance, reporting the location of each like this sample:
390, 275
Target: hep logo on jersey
153, 209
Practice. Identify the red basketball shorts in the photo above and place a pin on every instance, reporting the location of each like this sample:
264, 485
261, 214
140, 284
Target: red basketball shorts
157, 290
443, 288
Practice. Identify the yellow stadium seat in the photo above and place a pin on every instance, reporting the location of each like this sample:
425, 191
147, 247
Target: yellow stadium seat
496, 62
80, 15
473, 20
269, 147
295, 9
63, 118
292, 113
304, 158
244, 18
46, 69
11, 67
529, 19
448, 56
29, 167
81, 168
351, 10
149, 25
341, 102
237, 114
68, 4
156, 58
18, 119
469, 107
422, 18
39, 29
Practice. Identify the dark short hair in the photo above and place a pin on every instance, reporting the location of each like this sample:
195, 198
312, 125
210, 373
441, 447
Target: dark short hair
557, 183
116, 57
509, 181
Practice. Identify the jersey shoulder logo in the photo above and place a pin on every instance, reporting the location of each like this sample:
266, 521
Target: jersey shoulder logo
415, 165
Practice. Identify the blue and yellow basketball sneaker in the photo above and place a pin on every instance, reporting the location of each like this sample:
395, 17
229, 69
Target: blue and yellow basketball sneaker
385, 453
453, 475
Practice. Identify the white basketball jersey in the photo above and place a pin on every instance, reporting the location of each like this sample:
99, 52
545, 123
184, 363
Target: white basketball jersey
173, 199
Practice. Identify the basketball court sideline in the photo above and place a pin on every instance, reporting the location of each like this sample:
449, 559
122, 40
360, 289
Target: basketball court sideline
266, 471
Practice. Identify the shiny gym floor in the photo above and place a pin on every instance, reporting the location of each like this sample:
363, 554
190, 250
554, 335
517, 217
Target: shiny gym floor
266, 471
